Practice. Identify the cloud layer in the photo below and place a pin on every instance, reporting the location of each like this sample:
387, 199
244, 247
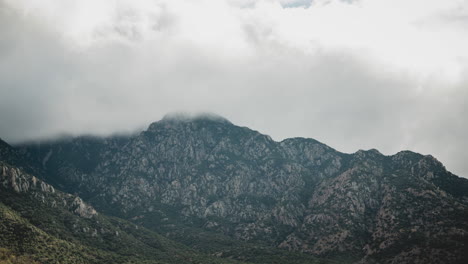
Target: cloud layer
352, 74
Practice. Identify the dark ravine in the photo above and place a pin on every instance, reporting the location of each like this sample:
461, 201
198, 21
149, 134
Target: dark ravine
195, 176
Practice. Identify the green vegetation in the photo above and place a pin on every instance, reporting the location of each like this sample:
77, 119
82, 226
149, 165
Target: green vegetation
122, 242
226, 247
7, 257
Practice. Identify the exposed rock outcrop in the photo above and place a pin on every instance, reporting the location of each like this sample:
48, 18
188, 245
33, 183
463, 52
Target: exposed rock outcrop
21, 182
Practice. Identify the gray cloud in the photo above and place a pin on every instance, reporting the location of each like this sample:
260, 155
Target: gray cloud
140, 66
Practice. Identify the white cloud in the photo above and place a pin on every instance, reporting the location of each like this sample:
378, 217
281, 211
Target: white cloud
353, 74
418, 36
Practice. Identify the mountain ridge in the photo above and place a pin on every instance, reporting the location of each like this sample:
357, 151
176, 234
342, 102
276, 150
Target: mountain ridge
299, 194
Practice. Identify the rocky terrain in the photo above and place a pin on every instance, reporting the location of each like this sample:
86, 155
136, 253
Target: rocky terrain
190, 177
39, 224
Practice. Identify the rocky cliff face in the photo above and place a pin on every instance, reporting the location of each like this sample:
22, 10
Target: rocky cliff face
15, 179
298, 194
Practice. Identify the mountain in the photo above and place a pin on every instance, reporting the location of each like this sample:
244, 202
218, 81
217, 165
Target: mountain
232, 192
40, 224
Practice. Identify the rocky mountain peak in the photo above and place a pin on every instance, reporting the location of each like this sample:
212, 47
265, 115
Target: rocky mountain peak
178, 119
299, 194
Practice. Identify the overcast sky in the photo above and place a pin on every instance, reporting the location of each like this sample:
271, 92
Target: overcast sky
389, 75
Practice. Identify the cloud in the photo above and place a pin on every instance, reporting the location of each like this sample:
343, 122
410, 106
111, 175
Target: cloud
352, 74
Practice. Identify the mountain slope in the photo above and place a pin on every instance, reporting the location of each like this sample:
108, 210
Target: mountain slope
50, 226
39, 222
205, 173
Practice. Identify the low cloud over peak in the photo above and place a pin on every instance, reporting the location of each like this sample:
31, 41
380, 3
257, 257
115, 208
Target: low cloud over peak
352, 74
